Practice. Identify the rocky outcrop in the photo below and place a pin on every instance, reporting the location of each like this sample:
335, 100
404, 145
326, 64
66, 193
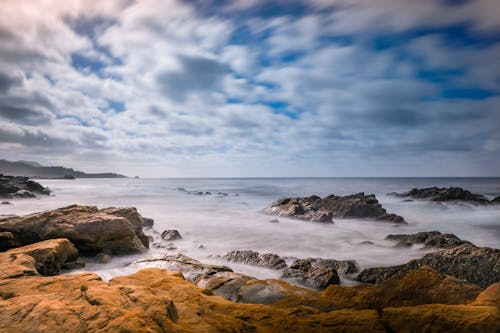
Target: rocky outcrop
171, 235
450, 194
478, 265
318, 209
8, 240
430, 239
249, 257
20, 187
155, 300
312, 274
91, 230
45, 258
496, 200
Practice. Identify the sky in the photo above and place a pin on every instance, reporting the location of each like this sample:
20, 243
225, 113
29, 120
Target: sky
253, 88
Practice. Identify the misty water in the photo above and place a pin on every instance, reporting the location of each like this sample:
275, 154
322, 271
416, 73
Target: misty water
222, 223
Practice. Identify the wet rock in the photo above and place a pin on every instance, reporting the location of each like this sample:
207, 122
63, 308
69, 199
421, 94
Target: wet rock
190, 268
73, 264
8, 241
21, 187
249, 257
450, 194
6, 203
171, 235
318, 209
429, 239
90, 229
366, 243
147, 223
103, 258
496, 200
274, 221
316, 274
478, 265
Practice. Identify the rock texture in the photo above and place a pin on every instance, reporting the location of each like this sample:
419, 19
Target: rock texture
318, 209
91, 230
430, 239
450, 194
155, 300
171, 235
478, 265
20, 187
312, 274
249, 257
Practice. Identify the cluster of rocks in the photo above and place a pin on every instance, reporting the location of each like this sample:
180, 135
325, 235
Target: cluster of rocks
220, 194
456, 257
20, 187
450, 194
317, 209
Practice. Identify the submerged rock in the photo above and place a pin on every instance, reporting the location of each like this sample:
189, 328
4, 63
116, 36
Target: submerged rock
318, 209
171, 235
249, 257
428, 239
478, 265
450, 194
20, 187
90, 229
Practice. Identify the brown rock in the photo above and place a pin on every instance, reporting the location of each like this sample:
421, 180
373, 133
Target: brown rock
90, 229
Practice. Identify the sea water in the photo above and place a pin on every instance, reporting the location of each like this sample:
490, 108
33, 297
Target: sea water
231, 218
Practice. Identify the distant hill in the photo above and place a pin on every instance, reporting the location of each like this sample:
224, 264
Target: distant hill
35, 170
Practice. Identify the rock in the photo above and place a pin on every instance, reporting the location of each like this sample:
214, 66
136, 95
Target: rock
496, 200
171, 235
478, 265
429, 239
68, 176
73, 264
450, 194
90, 229
314, 274
249, 257
6, 203
274, 221
147, 223
8, 241
103, 258
21, 187
155, 300
24, 194
489, 297
366, 243
45, 258
318, 209
191, 269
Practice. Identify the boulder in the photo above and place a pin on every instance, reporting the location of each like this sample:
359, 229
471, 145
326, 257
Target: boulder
249, 257
191, 269
45, 258
90, 229
21, 187
450, 194
478, 265
171, 235
8, 240
496, 200
430, 239
147, 223
312, 273
318, 209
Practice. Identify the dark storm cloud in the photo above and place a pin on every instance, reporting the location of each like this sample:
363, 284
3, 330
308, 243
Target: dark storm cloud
36, 138
32, 109
7, 81
197, 74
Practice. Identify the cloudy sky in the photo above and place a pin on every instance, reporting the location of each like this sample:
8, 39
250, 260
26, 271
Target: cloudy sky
172, 88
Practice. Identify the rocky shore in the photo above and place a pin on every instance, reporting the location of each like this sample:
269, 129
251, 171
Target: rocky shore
456, 288
317, 209
450, 194
20, 187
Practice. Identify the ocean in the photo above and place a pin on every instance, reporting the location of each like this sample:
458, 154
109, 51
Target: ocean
230, 218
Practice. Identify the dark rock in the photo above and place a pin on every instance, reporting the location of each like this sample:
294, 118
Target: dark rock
366, 243
103, 258
6, 203
147, 222
450, 194
274, 221
171, 235
312, 273
478, 265
318, 209
73, 264
496, 200
8, 241
21, 187
91, 230
192, 269
249, 257
428, 239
